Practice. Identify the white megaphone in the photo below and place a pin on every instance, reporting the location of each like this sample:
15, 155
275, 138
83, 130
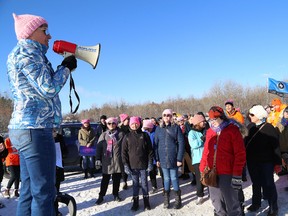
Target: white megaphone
88, 54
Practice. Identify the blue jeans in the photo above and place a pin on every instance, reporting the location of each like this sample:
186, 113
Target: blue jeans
37, 165
136, 174
170, 175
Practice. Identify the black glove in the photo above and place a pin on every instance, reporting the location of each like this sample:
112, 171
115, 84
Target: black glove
127, 170
70, 62
236, 182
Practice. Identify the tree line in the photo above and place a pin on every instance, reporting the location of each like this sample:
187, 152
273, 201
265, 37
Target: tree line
243, 96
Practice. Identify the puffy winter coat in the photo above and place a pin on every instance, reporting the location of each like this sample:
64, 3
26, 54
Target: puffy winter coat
169, 145
12, 158
263, 146
137, 150
34, 86
111, 163
197, 145
230, 156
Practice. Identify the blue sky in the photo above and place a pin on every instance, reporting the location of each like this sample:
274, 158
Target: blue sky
156, 50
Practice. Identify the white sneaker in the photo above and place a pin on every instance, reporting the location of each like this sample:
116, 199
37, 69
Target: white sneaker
199, 201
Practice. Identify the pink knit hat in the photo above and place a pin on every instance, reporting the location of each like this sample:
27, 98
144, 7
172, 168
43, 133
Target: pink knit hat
134, 119
147, 123
112, 120
167, 111
123, 117
26, 24
196, 119
85, 121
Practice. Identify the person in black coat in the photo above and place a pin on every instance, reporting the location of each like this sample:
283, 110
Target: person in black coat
263, 153
137, 158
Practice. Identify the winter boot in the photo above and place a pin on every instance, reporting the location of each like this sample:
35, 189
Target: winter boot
16, 193
135, 205
100, 200
146, 203
178, 202
166, 199
6, 193
91, 173
85, 173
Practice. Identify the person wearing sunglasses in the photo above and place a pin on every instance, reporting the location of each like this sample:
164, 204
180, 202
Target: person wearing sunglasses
35, 87
263, 153
108, 156
224, 138
169, 149
86, 138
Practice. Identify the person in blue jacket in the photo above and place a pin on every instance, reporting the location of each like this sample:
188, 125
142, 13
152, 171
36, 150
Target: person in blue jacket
196, 140
169, 149
35, 88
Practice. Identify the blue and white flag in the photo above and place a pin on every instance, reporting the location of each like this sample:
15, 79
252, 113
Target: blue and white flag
277, 87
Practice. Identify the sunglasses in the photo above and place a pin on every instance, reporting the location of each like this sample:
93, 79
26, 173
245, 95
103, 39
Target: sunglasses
251, 114
111, 123
167, 115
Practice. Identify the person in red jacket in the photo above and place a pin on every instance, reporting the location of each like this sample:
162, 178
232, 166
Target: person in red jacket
224, 137
13, 164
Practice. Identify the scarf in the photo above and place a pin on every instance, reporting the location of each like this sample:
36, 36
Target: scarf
110, 143
220, 127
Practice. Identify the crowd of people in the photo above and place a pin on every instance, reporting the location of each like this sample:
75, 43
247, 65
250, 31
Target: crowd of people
233, 142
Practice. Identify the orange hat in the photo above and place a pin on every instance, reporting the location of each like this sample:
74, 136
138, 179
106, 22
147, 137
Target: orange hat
276, 101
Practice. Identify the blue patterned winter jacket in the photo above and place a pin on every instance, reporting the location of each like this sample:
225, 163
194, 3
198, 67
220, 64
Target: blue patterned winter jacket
35, 87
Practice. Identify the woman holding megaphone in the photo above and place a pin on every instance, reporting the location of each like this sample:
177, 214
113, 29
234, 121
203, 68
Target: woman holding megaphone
37, 110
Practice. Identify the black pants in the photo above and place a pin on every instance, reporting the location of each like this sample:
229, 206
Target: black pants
262, 176
1, 171
14, 177
199, 185
152, 175
124, 177
116, 178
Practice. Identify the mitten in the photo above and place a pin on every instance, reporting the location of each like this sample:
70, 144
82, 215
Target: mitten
127, 170
236, 182
98, 164
70, 62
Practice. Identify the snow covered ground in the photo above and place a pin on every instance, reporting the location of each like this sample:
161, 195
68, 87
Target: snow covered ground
85, 191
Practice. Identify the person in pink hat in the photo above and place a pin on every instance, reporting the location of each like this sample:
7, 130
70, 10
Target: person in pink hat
124, 127
196, 140
169, 152
137, 158
35, 87
87, 139
150, 128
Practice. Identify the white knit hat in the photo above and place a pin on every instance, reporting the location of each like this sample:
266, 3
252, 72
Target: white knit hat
259, 112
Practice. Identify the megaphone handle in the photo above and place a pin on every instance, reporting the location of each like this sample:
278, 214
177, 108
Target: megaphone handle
72, 86
66, 54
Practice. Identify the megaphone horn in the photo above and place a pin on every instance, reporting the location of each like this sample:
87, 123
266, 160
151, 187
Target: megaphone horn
88, 54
